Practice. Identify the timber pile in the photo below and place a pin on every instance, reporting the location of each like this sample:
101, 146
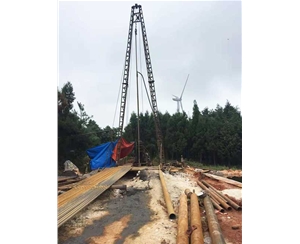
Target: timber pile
67, 182
65, 178
223, 179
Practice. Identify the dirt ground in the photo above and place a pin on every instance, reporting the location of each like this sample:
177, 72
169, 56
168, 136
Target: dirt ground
139, 215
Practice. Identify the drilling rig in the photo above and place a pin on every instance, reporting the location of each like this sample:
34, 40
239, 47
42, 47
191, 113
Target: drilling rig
137, 17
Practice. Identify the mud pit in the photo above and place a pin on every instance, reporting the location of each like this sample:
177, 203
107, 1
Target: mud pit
140, 216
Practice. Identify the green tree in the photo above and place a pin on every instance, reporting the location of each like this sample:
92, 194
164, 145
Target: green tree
84, 118
193, 133
76, 133
176, 135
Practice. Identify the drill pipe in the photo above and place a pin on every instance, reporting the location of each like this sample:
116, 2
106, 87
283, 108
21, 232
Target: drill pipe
215, 203
187, 192
214, 195
213, 224
197, 234
217, 206
227, 199
167, 197
182, 235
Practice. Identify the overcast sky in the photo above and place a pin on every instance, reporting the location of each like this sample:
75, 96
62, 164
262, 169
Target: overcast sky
202, 39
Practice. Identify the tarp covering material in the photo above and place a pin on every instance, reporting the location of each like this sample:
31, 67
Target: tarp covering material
126, 148
101, 156
104, 155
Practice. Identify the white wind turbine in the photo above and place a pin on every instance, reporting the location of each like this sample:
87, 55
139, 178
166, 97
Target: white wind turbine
179, 99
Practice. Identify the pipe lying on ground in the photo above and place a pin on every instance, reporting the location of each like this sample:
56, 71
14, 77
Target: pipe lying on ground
221, 201
214, 195
197, 234
121, 187
187, 192
227, 199
217, 205
167, 197
182, 235
232, 203
213, 224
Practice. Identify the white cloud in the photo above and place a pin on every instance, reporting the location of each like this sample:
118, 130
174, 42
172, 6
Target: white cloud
202, 39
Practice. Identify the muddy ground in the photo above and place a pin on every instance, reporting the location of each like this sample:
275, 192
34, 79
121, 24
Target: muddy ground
139, 215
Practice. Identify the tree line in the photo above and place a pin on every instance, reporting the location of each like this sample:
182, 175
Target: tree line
77, 131
210, 136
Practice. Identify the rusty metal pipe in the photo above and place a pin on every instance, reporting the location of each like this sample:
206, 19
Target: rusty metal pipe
213, 224
215, 200
121, 187
187, 192
217, 205
167, 197
197, 234
182, 235
227, 199
220, 200
214, 195
232, 203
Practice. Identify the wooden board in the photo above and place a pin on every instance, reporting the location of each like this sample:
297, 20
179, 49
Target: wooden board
232, 182
64, 178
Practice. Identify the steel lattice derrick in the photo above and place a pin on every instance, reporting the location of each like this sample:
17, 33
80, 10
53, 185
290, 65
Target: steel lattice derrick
151, 84
136, 16
125, 83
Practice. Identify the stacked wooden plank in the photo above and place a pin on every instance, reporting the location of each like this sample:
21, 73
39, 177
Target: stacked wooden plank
67, 182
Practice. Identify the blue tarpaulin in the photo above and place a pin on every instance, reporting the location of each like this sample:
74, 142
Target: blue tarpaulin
101, 156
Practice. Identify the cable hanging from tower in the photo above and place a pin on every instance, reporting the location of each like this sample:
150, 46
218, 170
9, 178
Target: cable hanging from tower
141, 70
128, 96
118, 97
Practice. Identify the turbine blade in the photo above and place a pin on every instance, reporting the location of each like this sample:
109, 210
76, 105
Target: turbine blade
184, 85
181, 106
